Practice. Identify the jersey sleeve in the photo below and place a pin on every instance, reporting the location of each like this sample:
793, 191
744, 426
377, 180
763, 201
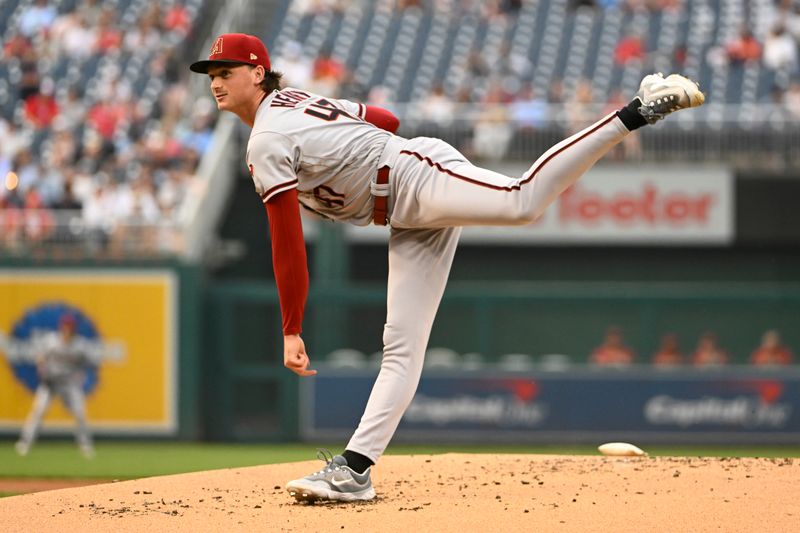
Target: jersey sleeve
354, 108
382, 118
271, 159
289, 261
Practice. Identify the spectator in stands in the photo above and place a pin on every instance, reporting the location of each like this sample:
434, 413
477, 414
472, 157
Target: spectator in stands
51, 182
5, 159
69, 200
145, 38
92, 10
492, 130
201, 130
582, 107
352, 89
402, 5
511, 6
477, 68
99, 213
771, 352
667, 5
109, 37
613, 351
106, 115
14, 139
64, 148
11, 220
668, 354
529, 110
787, 13
630, 48
780, 50
73, 109
175, 186
39, 221
708, 353
791, 99
555, 92
379, 95
73, 36
514, 62
680, 54
500, 8
37, 18
311, 7
137, 214
297, 69
327, 73
27, 170
17, 46
177, 19
41, 107
577, 4
437, 108
744, 48
30, 81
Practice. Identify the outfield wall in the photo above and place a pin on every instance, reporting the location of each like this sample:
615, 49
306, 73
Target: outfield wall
143, 318
731, 406
225, 379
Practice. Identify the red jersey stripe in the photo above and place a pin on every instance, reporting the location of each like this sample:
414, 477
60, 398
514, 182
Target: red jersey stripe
521, 182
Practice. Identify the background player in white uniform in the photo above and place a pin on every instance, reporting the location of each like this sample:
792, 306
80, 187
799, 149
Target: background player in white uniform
328, 156
61, 360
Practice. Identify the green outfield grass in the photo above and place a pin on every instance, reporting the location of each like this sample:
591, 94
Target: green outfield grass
129, 460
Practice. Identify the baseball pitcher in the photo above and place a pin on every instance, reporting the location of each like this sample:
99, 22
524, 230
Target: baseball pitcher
342, 160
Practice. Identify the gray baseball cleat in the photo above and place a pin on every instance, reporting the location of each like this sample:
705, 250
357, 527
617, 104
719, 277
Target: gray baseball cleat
22, 448
661, 96
336, 482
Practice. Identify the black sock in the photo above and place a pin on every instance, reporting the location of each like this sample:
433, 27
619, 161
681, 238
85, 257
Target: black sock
356, 461
630, 116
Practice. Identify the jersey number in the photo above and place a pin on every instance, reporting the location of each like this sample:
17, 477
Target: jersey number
325, 110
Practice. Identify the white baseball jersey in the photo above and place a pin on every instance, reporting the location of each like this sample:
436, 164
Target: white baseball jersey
321, 146
62, 358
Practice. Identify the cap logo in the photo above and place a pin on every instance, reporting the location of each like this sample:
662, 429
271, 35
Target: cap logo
253, 57
217, 48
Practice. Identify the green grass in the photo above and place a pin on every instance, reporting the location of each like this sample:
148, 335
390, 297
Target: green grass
127, 460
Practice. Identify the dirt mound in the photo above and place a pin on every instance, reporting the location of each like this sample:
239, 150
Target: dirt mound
452, 492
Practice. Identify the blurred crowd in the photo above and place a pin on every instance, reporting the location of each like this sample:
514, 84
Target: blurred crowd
614, 352
499, 93
94, 115
97, 142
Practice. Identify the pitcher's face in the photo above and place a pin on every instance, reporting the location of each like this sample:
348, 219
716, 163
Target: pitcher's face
234, 86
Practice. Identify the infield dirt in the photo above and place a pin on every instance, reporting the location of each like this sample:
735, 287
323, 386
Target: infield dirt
451, 492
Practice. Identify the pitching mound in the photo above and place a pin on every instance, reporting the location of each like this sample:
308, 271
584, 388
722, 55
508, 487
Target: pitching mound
451, 492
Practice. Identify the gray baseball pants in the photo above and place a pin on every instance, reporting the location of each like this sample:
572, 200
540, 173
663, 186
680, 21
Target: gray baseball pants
434, 191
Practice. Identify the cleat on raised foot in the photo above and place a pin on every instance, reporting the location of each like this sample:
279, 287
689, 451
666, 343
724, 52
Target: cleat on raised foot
335, 482
660, 96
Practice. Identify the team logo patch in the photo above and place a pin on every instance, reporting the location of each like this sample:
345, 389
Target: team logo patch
253, 57
217, 48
